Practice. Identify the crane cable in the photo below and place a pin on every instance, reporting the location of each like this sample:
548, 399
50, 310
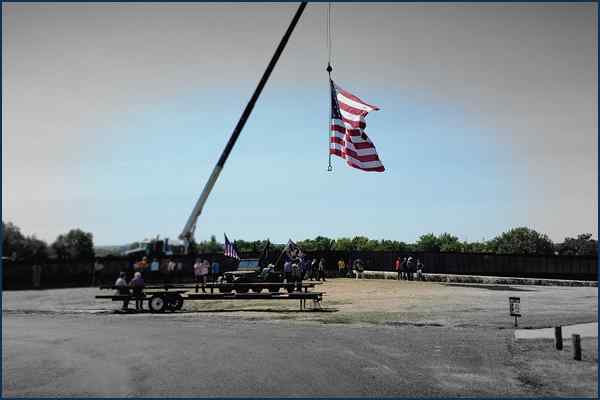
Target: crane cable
329, 69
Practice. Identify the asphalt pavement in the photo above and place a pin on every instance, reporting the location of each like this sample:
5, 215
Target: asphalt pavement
63, 343
115, 355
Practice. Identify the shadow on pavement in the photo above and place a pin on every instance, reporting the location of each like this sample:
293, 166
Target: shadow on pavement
490, 287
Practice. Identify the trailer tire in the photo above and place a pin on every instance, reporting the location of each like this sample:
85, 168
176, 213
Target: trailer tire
157, 303
242, 289
274, 289
174, 302
257, 289
225, 289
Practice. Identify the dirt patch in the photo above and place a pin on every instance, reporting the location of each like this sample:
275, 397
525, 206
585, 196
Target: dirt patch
392, 302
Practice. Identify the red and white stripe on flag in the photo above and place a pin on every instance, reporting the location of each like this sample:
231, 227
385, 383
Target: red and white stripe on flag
348, 138
229, 250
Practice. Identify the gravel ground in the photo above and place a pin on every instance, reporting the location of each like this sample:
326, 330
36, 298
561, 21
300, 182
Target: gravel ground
373, 338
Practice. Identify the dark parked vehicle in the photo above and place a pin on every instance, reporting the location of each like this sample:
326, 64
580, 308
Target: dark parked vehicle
249, 271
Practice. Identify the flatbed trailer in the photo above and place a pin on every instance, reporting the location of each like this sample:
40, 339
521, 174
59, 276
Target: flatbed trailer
167, 297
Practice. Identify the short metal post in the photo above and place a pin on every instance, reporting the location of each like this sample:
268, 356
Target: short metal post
516, 321
558, 340
576, 347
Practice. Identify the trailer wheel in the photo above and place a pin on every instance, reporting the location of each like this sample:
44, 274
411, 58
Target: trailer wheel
290, 288
274, 289
174, 302
157, 303
225, 289
242, 289
257, 289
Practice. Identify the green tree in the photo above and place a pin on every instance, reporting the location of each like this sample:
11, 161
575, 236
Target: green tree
522, 240
582, 245
362, 243
428, 242
13, 241
476, 247
343, 244
15, 244
210, 246
320, 243
74, 245
35, 249
449, 243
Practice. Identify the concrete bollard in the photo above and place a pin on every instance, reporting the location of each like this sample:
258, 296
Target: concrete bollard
558, 340
576, 347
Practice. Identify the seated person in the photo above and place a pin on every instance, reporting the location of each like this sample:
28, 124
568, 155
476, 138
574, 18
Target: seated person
267, 270
122, 289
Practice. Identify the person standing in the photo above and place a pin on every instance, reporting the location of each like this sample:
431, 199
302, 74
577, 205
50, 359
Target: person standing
141, 265
137, 284
411, 267
296, 277
171, 265
197, 274
403, 268
397, 265
36, 269
313, 269
216, 270
420, 268
341, 267
122, 289
287, 271
321, 269
154, 269
97, 273
358, 268
179, 271
204, 269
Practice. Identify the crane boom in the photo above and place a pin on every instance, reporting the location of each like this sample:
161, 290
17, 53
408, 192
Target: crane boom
188, 230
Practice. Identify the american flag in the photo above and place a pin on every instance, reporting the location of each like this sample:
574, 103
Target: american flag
348, 138
229, 249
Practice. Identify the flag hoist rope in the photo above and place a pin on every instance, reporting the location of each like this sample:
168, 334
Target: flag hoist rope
329, 69
188, 231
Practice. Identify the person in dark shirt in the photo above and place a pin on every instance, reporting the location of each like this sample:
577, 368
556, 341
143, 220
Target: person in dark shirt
137, 284
420, 268
321, 269
411, 268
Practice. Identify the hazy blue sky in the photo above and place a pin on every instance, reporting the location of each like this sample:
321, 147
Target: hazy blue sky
113, 116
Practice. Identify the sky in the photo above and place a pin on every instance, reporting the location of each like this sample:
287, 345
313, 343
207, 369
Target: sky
114, 115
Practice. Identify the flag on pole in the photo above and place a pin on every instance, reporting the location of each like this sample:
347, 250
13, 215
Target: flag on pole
292, 250
348, 138
229, 249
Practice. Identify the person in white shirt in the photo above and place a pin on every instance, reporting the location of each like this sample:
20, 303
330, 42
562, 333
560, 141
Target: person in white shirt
122, 288
204, 267
170, 270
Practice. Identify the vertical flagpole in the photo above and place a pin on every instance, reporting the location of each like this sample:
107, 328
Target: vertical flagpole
329, 69
188, 230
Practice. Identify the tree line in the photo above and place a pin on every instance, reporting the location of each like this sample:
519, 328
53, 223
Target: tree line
520, 240
77, 244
